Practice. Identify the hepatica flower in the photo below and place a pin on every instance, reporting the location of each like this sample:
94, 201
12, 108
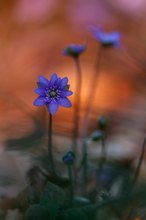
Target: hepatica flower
74, 50
53, 93
106, 39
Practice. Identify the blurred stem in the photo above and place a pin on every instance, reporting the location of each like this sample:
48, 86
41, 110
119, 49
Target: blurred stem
137, 175
131, 59
89, 105
84, 162
102, 160
103, 146
50, 155
139, 163
77, 103
92, 93
71, 183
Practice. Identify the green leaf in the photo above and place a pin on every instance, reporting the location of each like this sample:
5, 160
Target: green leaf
37, 212
73, 214
80, 201
52, 198
52, 194
53, 210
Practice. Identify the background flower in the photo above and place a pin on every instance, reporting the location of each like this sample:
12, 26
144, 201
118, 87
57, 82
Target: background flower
106, 39
74, 50
53, 93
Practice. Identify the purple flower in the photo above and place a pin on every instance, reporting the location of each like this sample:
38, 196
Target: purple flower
69, 158
74, 50
106, 39
53, 93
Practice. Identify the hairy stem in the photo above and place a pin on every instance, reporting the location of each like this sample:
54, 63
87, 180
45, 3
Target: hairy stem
90, 99
84, 182
71, 183
91, 95
128, 217
77, 103
50, 155
139, 163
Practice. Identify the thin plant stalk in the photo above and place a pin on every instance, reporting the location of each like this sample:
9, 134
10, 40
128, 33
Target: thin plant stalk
90, 99
137, 174
71, 183
50, 154
139, 163
103, 148
102, 160
92, 93
84, 162
77, 103
130, 59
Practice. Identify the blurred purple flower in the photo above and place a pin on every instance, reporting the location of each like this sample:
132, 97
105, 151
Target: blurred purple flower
74, 50
111, 39
53, 93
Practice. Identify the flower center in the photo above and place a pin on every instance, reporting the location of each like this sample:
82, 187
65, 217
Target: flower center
53, 93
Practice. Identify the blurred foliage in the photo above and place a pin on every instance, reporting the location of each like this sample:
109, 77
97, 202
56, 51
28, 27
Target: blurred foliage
110, 195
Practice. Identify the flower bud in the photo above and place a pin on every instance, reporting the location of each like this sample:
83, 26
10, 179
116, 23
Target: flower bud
102, 122
69, 158
74, 50
96, 135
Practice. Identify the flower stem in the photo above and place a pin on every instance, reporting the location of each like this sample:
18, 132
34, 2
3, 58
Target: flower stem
139, 163
129, 214
50, 155
103, 146
84, 182
102, 160
90, 99
91, 95
77, 103
71, 183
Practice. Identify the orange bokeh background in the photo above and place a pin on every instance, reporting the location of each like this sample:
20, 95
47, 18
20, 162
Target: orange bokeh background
32, 36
